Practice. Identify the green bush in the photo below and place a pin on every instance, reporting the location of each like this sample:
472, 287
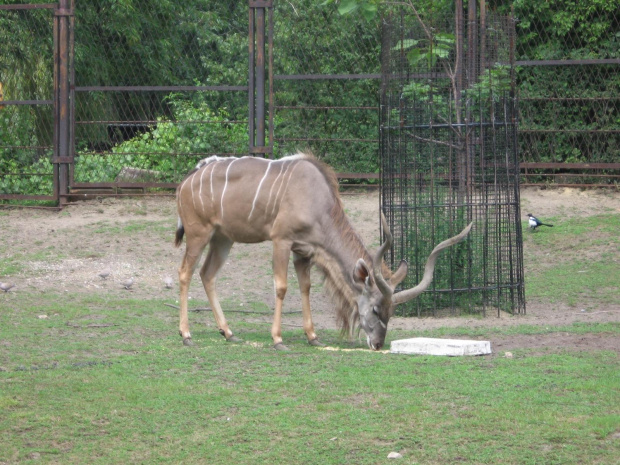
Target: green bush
172, 148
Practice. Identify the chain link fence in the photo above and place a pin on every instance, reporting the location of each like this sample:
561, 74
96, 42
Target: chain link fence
326, 85
568, 58
26, 103
158, 86
155, 86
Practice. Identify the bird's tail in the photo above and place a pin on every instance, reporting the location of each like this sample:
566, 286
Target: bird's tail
545, 224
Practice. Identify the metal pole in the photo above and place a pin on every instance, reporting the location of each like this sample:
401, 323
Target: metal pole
258, 9
251, 79
270, 69
63, 156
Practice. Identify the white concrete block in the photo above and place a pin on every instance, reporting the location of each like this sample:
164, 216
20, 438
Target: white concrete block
433, 346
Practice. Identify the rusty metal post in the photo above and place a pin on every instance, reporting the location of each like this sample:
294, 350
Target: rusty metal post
63, 153
270, 69
251, 87
258, 9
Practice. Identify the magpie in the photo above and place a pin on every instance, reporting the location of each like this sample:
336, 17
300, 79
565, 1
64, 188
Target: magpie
535, 222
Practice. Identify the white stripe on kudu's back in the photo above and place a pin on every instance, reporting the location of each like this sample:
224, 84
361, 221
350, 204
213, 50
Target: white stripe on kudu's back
273, 184
260, 184
200, 191
225, 186
294, 164
275, 200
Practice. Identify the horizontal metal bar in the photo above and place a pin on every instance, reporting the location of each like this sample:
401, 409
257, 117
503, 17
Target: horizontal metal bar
358, 175
261, 3
478, 288
569, 99
311, 139
26, 175
157, 88
31, 207
94, 195
573, 175
443, 205
155, 122
532, 184
37, 6
26, 102
585, 61
129, 185
453, 125
311, 77
563, 131
310, 107
122, 185
261, 149
26, 197
570, 166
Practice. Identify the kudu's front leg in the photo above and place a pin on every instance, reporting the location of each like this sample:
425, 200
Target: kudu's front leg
281, 256
302, 267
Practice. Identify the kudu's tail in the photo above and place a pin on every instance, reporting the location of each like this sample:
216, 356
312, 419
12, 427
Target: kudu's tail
178, 237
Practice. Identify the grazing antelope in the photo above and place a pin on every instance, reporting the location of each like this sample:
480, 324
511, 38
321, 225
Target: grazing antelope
294, 203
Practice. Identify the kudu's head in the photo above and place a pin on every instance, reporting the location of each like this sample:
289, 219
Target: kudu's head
377, 300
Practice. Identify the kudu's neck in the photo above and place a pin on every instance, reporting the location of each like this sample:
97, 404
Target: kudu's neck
337, 256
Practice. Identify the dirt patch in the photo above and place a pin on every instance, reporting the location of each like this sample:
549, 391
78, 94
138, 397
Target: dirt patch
554, 343
65, 252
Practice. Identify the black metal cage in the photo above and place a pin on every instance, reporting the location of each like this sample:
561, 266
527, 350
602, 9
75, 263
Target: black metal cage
449, 157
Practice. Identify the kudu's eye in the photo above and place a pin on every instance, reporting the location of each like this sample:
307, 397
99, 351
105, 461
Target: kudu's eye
375, 310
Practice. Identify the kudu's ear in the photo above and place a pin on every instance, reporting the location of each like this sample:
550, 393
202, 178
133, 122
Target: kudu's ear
361, 273
399, 274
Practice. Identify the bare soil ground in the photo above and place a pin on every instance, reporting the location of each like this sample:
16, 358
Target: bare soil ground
65, 251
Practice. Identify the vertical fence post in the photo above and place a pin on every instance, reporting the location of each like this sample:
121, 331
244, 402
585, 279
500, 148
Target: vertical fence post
258, 10
63, 152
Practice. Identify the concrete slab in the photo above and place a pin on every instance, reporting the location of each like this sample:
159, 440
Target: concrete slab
433, 346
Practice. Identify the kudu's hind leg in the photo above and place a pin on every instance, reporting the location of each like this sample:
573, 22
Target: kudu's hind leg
193, 252
218, 252
302, 267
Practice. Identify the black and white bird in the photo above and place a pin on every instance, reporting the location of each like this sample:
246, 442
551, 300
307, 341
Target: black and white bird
535, 222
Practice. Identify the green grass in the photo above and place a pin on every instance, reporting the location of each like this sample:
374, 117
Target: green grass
576, 281
127, 391
107, 380
134, 227
12, 263
576, 261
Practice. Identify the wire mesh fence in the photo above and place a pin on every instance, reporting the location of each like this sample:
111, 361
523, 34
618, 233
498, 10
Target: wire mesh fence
26, 103
568, 59
449, 157
325, 89
156, 92
155, 86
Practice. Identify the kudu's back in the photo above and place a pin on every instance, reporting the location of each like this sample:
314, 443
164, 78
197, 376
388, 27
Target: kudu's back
252, 199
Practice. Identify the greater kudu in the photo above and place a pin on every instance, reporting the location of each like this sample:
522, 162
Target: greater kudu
293, 202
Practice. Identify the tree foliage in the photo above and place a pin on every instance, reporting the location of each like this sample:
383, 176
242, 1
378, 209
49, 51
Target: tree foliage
199, 42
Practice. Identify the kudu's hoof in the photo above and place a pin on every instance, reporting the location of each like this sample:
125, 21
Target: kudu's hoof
280, 346
316, 343
187, 341
233, 339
